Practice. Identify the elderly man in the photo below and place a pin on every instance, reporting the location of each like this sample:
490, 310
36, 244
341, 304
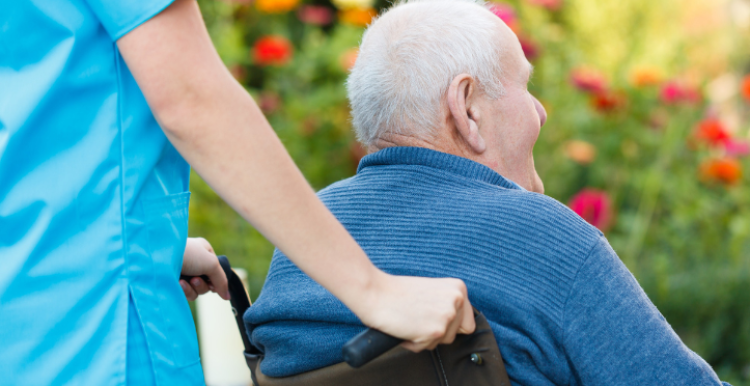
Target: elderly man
439, 95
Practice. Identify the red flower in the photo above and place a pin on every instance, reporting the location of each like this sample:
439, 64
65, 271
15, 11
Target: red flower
607, 101
529, 47
315, 14
507, 14
588, 80
725, 170
712, 132
594, 206
272, 51
674, 92
746, 88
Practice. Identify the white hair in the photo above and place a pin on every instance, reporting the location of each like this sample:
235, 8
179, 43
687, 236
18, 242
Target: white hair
408, 58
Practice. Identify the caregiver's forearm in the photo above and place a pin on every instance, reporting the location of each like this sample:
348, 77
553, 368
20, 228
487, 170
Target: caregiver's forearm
218, 128
215, 124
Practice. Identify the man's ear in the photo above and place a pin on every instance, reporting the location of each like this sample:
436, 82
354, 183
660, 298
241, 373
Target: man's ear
464, 113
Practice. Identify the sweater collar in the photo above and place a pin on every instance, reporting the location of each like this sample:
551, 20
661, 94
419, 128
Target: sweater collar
438, 160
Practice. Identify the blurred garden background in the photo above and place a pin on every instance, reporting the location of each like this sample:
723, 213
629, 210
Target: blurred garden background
647, 137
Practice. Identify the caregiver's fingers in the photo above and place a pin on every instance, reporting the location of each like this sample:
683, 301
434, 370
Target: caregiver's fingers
190, 293
199, 285
453, 328
468, 323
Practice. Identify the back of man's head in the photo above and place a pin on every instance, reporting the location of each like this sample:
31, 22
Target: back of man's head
408, 58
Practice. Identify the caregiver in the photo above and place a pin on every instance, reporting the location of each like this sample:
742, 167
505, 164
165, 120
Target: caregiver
100, 100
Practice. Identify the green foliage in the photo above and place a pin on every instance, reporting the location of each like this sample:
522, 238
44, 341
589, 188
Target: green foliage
685, 239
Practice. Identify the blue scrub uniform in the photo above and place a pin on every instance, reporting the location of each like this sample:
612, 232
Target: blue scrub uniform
93, 206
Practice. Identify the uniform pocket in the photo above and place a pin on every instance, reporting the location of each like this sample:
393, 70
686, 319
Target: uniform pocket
167, 223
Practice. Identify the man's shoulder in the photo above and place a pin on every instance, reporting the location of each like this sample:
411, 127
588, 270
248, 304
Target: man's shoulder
543, 219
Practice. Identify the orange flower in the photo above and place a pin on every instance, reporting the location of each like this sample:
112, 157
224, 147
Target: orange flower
272, 51
746, 88
348, 59
712, 132
275, 6
645, 77
357, 16
725, 170
581, 152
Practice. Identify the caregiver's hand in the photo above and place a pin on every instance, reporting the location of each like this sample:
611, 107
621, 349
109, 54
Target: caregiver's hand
200, 259
423, 311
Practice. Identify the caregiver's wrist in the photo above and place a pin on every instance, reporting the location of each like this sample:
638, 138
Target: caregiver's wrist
369, 295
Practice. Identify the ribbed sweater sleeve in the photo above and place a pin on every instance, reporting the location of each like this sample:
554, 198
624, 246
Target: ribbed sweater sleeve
614, 335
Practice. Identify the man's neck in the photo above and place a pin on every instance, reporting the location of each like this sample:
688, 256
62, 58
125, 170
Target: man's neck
439, 143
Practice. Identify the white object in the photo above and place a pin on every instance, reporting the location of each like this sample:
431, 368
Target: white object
220, 341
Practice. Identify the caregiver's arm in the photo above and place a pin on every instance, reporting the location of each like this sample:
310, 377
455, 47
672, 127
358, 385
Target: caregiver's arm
614, 335
221, 132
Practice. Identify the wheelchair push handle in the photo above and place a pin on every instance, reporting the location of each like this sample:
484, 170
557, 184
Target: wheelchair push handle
238, 299
366, 346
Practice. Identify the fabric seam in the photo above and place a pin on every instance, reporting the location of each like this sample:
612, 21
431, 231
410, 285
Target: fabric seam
445, 377
123, 233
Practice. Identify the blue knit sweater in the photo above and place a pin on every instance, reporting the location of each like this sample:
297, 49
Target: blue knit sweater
564, 309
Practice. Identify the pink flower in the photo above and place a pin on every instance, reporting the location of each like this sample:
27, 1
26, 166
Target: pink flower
736, 148
594, 206
507, 14
588, 80
552, 5
671, 93
674, 92
315, 14
529, 47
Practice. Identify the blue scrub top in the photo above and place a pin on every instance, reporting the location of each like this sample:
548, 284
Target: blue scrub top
93, 206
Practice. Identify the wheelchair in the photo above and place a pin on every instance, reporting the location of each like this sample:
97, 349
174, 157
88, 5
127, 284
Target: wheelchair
375, 359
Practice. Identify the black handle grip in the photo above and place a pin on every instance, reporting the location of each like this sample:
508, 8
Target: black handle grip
238, 299
366, 346
188, 278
